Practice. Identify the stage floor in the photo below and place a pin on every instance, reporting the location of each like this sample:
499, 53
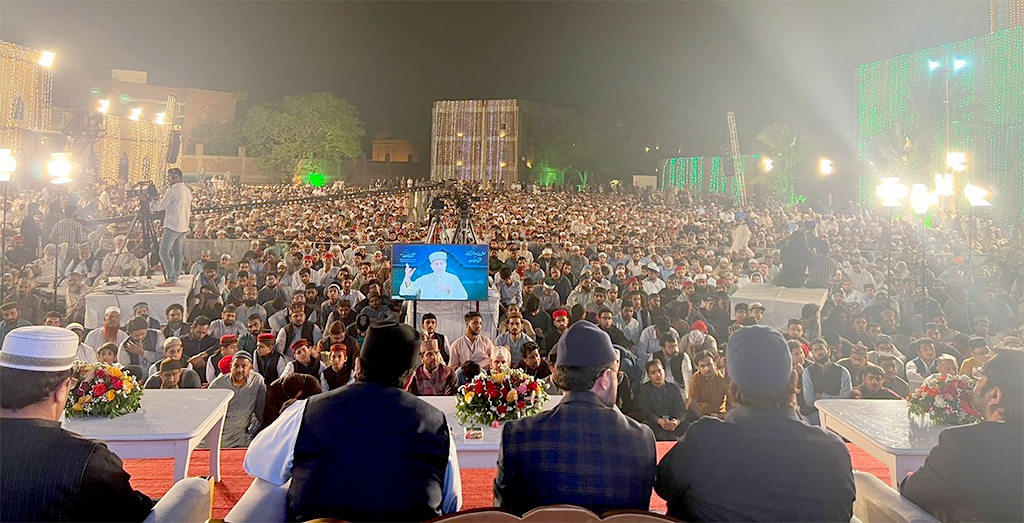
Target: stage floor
126, 296
153, 477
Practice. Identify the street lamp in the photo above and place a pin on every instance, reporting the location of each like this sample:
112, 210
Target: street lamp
767, 164
891, 191
7, 167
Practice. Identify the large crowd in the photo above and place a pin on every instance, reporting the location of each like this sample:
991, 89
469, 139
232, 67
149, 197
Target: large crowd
657, 272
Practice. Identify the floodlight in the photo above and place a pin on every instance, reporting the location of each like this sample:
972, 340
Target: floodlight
959, 64
891, 191
934, 65
59, 168
976, 196
7, 165
956, 161
921, 198
46, 58
825, 166
104, 106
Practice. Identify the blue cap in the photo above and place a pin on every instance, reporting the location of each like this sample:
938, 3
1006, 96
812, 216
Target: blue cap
758, 359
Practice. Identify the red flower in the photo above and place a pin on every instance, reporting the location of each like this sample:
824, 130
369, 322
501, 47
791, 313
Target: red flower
533, 385
100, 374
479, 387
98, 389
520, 404
502, 410
116, 384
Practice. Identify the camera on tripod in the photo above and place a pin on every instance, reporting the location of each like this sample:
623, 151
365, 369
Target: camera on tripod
145, 190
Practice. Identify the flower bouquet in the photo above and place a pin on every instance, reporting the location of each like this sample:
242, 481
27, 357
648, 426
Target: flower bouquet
943, 400
102, 389
499, 395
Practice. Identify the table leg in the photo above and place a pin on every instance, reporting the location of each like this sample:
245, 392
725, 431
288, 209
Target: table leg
182, 456
213, 440
894, 476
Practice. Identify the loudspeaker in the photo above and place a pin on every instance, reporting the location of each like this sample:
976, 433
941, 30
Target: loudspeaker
173, 147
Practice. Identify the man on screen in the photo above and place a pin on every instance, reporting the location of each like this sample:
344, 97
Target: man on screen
438, 285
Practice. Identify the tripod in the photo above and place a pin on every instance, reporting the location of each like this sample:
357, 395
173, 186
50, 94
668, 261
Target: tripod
436, 233
464, 233
143, 219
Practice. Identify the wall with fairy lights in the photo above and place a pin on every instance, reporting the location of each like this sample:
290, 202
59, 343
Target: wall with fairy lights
704, 175
475, 140
26, 93
990, 80
143, 143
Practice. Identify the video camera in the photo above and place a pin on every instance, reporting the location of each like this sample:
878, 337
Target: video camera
145, 190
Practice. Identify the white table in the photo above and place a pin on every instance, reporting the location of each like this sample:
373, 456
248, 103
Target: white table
479, 453
170, 424
158, 298
883, 429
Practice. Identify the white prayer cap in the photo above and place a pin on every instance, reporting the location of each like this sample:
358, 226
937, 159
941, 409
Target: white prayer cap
75, 326
112, 308
439, 255
39, 348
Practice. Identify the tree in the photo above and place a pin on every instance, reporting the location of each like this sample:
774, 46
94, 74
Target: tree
218, 138
302, 134
789, 148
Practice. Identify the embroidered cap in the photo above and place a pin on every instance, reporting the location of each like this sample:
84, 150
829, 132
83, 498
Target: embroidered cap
39, 348
439, 255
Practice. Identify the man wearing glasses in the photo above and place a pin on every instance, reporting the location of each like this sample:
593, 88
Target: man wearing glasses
976, 472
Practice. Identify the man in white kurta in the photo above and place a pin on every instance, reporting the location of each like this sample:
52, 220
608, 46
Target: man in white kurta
248, 402
438, 285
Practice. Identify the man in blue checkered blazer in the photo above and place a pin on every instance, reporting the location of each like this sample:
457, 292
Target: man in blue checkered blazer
584, 451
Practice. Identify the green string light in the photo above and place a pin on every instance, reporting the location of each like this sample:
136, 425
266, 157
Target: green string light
991, 85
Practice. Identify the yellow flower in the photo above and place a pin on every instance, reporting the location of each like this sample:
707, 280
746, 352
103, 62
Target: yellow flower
78, 407
498, 377
110, 395
469, 396
512, 396
114, 371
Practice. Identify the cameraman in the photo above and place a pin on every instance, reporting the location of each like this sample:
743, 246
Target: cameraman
177, 207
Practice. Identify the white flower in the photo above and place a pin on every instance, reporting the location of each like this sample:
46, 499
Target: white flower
940, 402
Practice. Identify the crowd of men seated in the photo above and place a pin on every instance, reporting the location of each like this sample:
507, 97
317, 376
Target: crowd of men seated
287, 321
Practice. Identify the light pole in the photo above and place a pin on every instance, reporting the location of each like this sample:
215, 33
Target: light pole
59, 170
7, 167
947, 67
976, 197
891, 191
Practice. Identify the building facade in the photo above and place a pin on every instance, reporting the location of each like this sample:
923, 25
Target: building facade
127, 91
490, 141
26, 96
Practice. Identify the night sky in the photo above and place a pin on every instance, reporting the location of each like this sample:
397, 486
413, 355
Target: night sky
670, 70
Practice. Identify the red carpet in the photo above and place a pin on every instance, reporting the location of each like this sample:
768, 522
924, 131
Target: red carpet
153, 477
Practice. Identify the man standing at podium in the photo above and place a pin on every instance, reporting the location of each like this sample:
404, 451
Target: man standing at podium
48, 473
438, 285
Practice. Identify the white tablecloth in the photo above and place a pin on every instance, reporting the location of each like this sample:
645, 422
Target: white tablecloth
883, 429
170, 424
781, 303
479, 453
158, 298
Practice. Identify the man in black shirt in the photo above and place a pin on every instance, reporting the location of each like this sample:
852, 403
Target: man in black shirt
48, 473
